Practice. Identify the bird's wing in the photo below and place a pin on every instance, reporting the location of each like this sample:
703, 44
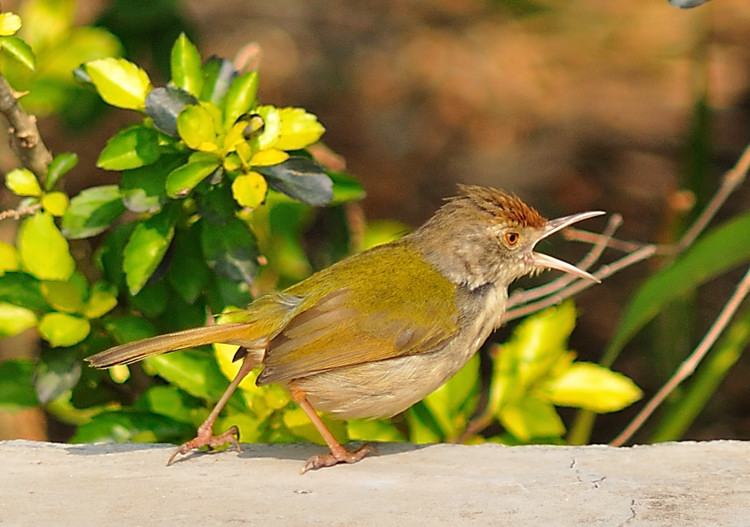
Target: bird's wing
343, 328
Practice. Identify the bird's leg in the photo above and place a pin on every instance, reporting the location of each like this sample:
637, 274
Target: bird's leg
338, 454
205, 435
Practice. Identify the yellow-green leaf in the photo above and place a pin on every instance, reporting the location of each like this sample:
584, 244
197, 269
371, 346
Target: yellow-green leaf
532, 417
15, 319
56, 203
299, 129
8, 258
44, 251
249, 190
186, 66
22, 182
63, 296
103, 299
60, 329
9, 24
197, 128
592, 387
270, 157
120, 82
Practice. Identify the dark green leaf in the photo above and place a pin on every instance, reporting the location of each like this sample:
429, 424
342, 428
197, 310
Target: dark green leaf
144, 189
131, 425
109, 255
231, 251
184, 178
130, 328
16, 389
218, 75
56, 372
713, 254
23, 290
92, 211
60, 165
188, 274
131, 147
152, 299
163, 105
300, 178
186, 66
147, 246
223, 293
171, 402
216, 204
194, 371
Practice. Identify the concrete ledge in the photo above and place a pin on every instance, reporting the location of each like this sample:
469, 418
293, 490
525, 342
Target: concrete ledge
671, 484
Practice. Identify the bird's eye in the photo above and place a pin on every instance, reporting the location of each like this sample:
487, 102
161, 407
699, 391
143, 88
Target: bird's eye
511, 238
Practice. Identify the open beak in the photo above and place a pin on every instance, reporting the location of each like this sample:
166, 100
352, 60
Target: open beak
553, 226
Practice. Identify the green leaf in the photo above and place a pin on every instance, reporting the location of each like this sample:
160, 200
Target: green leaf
231, 251
10, 23
300, 178
109, 255
17, 49
592, 387
373, 430
223, 292
173, 403
186, 66
345, 188
23, 290
241, 98
120, 82
144, 189
15, 319
58, 167
197, 128
249, 190
56, 372
532, 417
92, 211
147, 246
22, 182
218, 74
696, 266
131, 147
152, 300
44, 252
184, 178
299, 129
163, 105
60, 329
132, 425
16, 390
194, 371
300, 425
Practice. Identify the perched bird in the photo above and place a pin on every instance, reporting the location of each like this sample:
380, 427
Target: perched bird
376, 332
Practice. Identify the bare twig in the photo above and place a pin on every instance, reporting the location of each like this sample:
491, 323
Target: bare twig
24, 134
20, 212
691, 363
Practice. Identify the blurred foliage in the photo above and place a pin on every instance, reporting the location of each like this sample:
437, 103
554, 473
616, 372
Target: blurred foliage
211, 180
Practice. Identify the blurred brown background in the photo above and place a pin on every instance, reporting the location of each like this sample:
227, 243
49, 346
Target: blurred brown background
572, 104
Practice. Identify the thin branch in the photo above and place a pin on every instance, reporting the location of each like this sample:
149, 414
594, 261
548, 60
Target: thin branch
20, 212
691, 363
24, 134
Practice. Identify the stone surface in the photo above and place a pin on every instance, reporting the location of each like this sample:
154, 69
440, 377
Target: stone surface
681, 484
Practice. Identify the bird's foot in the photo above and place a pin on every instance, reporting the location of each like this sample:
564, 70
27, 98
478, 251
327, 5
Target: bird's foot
337, 455
206, 438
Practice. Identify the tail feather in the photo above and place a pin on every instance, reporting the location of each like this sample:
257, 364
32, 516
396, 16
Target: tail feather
189, 338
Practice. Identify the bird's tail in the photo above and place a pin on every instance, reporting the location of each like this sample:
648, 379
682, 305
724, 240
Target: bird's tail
189, 338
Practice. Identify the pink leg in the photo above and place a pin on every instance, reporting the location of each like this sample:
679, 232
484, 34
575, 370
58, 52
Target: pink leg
205, 435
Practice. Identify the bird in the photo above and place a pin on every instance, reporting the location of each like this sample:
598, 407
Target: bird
378, 331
